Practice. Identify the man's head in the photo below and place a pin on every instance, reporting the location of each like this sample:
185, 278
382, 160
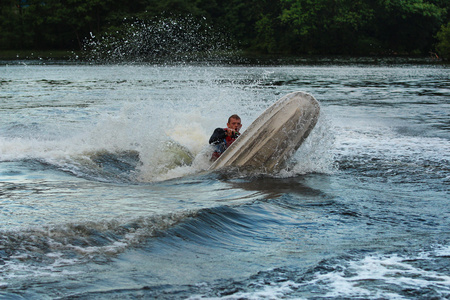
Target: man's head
234, 122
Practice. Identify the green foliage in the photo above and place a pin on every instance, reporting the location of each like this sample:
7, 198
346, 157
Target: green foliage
346, 26
11, 26
264, 26
443, 36
266, 34
408, 25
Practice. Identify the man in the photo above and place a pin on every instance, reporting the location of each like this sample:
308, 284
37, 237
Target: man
222, 138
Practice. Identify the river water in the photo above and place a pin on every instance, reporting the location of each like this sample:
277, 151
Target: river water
105, 193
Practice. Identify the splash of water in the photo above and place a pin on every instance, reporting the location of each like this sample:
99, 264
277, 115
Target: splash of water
129, 147
161, 40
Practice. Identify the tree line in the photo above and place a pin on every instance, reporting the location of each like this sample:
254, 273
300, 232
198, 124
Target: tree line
290, 27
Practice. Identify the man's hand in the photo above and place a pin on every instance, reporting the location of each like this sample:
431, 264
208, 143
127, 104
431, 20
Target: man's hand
229, 131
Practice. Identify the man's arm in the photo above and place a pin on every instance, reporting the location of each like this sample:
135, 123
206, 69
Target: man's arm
218, 135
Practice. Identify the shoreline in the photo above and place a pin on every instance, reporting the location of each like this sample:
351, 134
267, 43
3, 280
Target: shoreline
38, 54
69, 56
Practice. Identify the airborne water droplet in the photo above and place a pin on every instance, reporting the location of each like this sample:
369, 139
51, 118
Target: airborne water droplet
161, 40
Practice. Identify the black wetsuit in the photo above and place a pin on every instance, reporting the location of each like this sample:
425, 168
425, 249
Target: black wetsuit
221, 141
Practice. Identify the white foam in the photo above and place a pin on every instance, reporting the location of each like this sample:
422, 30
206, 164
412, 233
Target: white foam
382, 141
130, 129
26, 260
443, 251
316, 153
13, 269
388, 271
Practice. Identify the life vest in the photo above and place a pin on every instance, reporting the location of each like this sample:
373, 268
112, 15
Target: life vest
229, 140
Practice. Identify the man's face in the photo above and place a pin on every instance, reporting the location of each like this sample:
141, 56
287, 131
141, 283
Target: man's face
235, 124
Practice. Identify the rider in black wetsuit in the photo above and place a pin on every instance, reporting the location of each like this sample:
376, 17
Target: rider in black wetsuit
222, 138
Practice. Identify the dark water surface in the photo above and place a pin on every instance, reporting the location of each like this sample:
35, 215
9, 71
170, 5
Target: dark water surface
104, 192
